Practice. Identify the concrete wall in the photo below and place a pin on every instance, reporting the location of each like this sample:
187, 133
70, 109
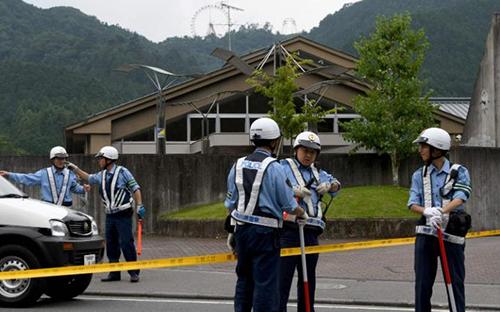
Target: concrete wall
484, 169
175, 181
484, 112
336, 228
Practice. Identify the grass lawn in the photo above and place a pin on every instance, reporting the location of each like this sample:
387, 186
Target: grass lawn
351, 202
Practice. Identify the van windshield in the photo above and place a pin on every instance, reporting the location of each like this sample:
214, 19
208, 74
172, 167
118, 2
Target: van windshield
8, 190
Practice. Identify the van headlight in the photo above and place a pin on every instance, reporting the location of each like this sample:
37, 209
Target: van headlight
58, 228
95, 229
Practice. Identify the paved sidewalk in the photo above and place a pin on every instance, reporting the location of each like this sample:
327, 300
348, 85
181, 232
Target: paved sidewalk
372, 276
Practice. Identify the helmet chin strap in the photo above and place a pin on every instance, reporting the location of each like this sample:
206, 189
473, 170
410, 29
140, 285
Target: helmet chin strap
300, 161
53, 161
275, 151
432, 158
108, 162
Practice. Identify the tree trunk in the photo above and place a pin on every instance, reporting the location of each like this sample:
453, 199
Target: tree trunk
395, 168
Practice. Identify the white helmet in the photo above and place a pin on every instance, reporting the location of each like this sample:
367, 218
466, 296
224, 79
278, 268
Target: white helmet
264, 129
308, 139
108, 152
59, 152
435, 137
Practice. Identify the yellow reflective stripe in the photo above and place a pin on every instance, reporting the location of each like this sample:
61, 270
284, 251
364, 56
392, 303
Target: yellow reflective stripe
210, 259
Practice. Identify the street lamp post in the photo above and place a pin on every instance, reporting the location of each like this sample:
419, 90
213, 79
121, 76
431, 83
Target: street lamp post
153, 74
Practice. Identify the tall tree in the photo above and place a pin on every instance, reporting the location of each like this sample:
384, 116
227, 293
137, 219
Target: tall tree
394, 111
280, 89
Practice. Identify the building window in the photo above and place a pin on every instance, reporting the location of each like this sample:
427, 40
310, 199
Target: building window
232, 125
342, 122
196, 127
144, 135
326, 125
177, 130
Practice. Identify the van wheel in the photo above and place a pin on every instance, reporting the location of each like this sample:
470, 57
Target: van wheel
67, 287
19, 292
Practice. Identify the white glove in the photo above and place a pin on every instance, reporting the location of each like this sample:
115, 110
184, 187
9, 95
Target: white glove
323, 188
301, 191
302, 220
71, 166
432, 211
436, 221
231, 242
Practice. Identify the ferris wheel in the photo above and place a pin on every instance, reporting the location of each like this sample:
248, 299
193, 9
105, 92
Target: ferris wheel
289, 26
209, 20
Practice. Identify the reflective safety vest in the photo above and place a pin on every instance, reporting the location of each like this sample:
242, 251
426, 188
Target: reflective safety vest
445, 192
114, 199
58, 198
314, 218
249, 173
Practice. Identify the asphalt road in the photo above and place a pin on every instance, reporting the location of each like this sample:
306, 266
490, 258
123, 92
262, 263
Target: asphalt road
122, 304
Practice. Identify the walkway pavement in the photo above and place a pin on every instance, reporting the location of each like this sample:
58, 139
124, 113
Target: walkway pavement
372, 276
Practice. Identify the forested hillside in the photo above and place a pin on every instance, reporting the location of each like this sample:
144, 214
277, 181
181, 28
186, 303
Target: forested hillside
57, 64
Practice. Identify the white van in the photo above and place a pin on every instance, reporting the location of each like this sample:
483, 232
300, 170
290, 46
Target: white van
35, 234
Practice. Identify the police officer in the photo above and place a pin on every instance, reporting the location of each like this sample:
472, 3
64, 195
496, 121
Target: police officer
438, 192
118, 190
309, 185
257, 196
56, 182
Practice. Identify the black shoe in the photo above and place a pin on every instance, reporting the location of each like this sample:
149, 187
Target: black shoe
111, 278
134, 278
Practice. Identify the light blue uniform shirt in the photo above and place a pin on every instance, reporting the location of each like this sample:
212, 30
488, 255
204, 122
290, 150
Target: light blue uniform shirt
125, 180
275, 194
307, 175
438, 178
41, 178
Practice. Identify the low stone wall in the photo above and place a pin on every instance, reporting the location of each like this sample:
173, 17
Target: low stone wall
336, 228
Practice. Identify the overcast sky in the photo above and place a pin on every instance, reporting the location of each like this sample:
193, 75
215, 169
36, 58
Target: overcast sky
160, 19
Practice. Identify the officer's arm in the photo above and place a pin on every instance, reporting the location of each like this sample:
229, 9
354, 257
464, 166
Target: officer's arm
461, 190
138, 197
328, 178
132, 185
232, 193
75, 187
415, 200
286, 198
27, 179
82, 174
95, 178
452, 205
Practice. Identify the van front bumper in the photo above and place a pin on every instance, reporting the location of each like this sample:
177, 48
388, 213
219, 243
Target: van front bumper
64, 251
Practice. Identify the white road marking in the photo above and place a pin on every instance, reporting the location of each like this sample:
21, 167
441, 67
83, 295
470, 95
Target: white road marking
230, 302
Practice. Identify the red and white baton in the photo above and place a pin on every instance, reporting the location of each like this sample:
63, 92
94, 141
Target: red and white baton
139, 237
446, 271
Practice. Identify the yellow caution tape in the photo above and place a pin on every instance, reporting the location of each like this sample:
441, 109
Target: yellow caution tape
209, 259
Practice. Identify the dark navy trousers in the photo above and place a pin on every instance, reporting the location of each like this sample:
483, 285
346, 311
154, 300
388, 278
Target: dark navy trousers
258, 251
289, 237
119, 236
426, 262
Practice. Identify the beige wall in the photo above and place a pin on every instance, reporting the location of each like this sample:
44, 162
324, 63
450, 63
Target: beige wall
97, 141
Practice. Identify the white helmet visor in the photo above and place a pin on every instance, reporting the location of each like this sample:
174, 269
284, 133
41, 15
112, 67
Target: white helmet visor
309, 144
421, 139
60, 155
99, 155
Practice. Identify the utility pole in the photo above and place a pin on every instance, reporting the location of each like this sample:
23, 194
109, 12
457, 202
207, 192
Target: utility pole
229, 23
